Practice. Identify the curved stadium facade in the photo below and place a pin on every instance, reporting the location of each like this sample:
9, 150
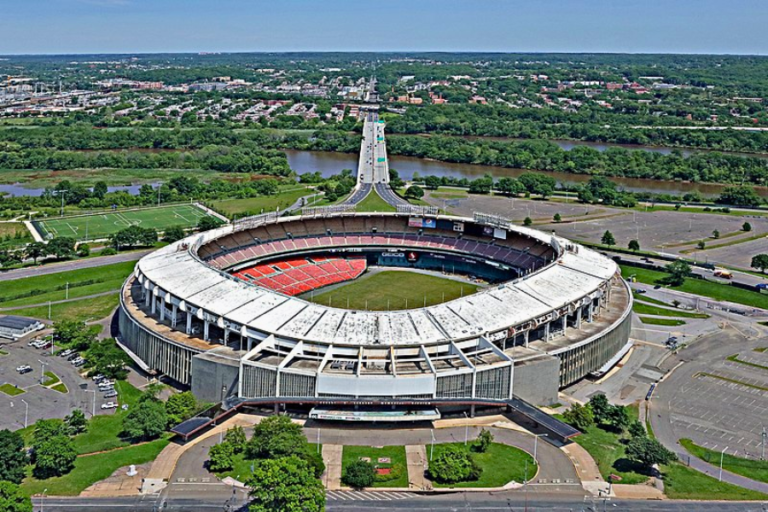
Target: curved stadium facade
221, 311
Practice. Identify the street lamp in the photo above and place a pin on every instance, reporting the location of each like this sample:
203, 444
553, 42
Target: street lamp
42, 371
93, 410
466, 429
722, 454
536, 445
42, 500
432, 448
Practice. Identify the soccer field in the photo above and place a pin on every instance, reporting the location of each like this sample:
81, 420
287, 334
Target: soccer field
101, 225
391, 290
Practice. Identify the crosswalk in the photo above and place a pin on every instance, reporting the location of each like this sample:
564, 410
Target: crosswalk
366, 495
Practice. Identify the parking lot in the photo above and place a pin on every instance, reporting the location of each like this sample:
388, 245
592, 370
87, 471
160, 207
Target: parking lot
42, 402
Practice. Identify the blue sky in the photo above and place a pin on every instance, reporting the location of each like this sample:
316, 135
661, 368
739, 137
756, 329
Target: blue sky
133, 26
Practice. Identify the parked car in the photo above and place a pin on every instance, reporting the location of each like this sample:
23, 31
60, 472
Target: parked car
109, 405
80, 363
67, 353
98, 378
25, 368
73, 356
110, 394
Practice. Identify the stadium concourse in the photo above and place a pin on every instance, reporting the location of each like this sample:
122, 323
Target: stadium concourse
221, 312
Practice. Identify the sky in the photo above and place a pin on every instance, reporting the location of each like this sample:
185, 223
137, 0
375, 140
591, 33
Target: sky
153, 26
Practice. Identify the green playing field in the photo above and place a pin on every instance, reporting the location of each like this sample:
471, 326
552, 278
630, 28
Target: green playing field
101, 225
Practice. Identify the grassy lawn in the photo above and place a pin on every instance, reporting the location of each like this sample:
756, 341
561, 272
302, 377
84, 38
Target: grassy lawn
261, 204
385, 290
684, 483
242, 466
501, 464
90, 469
11, 390
374, 203
60, 387
669, 322
51, 379
649, 300
735, 359
14, 234
104, 429
82, 310
87, 281
101, 225
754, 469
3, 353
701, 287
647, 309
396, 454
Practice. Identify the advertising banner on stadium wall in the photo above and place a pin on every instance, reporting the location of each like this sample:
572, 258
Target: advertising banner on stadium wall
418, 222
458, 226
500, 233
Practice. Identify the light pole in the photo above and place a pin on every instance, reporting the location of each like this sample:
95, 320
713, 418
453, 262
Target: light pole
722, 454
466, 429
42, 371
26, 412
536, 445
42, 500
432, 447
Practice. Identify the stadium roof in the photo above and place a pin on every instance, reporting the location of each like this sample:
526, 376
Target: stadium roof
575, 274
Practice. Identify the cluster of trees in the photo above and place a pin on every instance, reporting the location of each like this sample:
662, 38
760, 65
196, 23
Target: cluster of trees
150, 416
102, 356
335, 187
456, 464
60, 248
133, 236
639, 447
286, 470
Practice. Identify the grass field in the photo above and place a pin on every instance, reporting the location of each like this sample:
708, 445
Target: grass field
93, 468
754, 469
396, 454
684, 483
647, 309
83, 310
10, 390
669, 322
261, 204
393, 289
701, 287
104, 429
14, 234
101, 225
501, 464
374, 203
53, 287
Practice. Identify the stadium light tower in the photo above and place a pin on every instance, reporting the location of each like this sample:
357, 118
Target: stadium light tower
61, 193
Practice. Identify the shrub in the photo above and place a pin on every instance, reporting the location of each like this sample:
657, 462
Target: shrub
454, 465
359, 474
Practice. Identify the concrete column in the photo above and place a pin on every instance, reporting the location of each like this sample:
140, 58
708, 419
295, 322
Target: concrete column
147, 295
579, 313
189, 322
472, 411
226, 336
162, 309
546, 332
590, 312
250, 343
153, 303
526, 334
565, 324
205, 329
175, 310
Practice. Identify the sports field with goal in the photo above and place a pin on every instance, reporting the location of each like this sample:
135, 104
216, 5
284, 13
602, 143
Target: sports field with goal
100, 225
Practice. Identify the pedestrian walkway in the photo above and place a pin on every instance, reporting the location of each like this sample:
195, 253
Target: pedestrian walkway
366, 495
332, 458
416, 458
586, 468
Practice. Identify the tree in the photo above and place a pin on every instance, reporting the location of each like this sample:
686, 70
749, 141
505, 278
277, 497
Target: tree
715, 234
106, 358
432, 182
414, 192
54, 456
453, 465
76, 422
173, 234
600, 407
276, 436
678, 272
36, 250
61, 247
557, 217
13, 499
100, 189
482, 185
527, 222
746, 227
618, 416
134, 236
760, 261
608, 239
208, 222
83, 250
13, 457
633, 245
483, 441
701, 245
510, 186
74, 334
180, 407
636, 429
359, 474
648, 452
739, 196
537, 183
146, 420
221, 457
235, 436
579, 416
285, 484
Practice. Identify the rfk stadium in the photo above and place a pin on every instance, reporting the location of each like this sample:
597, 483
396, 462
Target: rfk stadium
232, 314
